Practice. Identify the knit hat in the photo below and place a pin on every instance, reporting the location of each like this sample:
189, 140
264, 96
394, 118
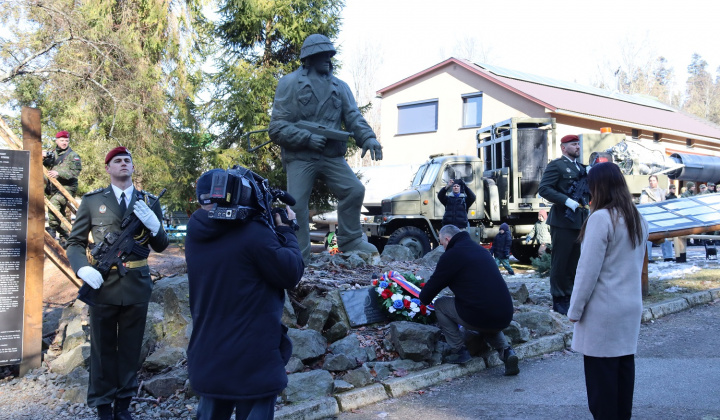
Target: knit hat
542, 213
690, 184
204, 184
569, 138
120, 150
61, 134
505, 227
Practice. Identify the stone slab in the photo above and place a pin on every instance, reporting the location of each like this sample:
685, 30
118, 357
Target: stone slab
362, 306
669, 307
699, 298
360, 397
311, 410
397, 387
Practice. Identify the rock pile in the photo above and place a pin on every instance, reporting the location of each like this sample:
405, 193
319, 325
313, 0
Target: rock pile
329, 357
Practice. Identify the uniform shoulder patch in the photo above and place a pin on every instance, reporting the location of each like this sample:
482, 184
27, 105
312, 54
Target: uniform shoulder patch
93, 192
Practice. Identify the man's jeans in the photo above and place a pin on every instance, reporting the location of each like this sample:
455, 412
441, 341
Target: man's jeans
449, 321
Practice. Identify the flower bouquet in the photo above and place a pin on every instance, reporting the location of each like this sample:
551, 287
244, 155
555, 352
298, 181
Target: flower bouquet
398, 294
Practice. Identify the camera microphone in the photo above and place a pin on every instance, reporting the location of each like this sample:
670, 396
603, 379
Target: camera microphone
284, 197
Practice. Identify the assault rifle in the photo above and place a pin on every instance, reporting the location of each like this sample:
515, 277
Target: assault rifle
114, 250
578, 191
328, 133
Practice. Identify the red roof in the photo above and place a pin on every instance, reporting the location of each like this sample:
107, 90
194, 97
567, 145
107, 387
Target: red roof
591, 102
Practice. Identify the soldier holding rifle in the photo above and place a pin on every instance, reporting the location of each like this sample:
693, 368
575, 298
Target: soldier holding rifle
560, 184
63, 164
311, 106
117, 320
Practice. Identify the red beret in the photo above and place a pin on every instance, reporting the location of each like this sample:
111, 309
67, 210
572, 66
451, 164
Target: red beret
569, 138
62, 134
120, 150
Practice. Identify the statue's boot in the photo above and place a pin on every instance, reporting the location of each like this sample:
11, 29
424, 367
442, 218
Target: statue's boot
357, 244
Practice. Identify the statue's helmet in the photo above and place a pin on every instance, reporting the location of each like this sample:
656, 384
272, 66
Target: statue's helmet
315, 44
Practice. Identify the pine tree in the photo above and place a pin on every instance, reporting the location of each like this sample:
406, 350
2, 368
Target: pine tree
111, 73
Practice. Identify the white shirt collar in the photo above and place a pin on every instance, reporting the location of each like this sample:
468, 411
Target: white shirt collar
118, 192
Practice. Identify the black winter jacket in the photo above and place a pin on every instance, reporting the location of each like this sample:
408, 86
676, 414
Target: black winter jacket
238, 273
456, 208
501, 244
482, 298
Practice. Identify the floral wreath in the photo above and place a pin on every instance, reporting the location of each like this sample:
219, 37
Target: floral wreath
398, 294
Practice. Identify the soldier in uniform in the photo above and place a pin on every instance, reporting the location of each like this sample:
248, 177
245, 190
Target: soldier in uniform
312, 94
64, 165
117, 321
559, 176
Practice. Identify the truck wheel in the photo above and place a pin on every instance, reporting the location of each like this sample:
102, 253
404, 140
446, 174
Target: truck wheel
415, 239
523, 252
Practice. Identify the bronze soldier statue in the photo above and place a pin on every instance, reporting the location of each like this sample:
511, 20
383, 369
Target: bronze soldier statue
313, 114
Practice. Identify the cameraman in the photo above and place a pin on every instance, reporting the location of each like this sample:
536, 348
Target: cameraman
238, 271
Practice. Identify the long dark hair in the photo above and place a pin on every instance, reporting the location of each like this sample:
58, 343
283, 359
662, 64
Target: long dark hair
610, 191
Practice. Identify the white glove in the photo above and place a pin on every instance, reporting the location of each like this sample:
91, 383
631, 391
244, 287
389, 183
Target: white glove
374, 147
147, 216
91, 276
571, 204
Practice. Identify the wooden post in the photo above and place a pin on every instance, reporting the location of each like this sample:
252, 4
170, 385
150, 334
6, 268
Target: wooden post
32, 331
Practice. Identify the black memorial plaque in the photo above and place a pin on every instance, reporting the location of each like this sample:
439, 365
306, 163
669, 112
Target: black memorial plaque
362, 307
14, 170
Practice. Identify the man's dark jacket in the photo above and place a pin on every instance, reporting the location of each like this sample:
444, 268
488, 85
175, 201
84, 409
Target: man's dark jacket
456, 207
559, 176
482, 298
238, 273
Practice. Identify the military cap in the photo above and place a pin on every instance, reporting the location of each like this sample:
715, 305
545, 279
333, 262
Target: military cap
61, 134
120, 150
569, 138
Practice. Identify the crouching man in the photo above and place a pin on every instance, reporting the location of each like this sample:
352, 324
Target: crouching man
238, 271
482, 302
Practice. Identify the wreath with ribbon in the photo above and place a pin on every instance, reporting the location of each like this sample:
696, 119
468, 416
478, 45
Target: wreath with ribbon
399, 295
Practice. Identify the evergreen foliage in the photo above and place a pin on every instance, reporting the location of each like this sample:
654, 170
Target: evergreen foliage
111, 73
542, 264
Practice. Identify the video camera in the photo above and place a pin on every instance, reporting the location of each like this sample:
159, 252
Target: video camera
240, 194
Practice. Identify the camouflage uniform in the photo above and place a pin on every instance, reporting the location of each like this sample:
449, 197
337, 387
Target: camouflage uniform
68, 166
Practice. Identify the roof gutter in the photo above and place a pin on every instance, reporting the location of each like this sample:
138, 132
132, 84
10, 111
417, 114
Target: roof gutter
683, 134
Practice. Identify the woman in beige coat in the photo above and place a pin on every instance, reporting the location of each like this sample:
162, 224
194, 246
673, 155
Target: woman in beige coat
606, 303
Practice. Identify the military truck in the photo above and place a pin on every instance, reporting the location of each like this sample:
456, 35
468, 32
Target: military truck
505, 176
505, 183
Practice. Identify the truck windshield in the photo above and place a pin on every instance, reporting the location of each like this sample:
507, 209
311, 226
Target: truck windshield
426, 174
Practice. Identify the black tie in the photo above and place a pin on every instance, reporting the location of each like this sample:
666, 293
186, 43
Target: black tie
123, 206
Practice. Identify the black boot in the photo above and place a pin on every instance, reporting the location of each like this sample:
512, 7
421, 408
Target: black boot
681, 258
51, 231
459, 356
511, 360
121, 409
105, 412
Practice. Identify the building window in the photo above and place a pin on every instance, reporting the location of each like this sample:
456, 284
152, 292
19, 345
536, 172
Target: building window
418, 117
688, 142
656, 137
472, 110
635, 134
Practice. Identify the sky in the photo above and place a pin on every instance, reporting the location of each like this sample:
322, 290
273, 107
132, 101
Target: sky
562, 39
